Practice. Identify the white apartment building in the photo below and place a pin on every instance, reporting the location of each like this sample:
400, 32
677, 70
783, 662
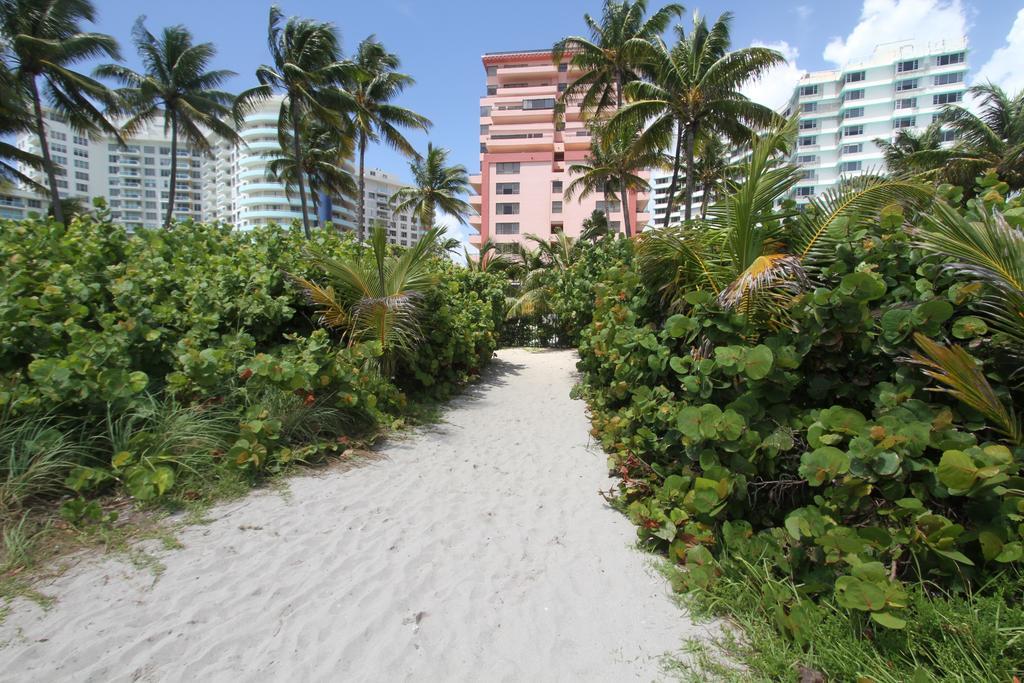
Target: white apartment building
134, 178
230, 184
403, 228
902, 85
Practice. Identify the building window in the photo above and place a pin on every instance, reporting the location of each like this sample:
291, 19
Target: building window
809, 124
904, 122
854, 77
483, 147
853, 149
906, 84
545, 103
948, 136
806, 90
492, 90
556, 186
556, 206
485, 111
808, 140
805, 191
854, 113
908, 65
953, 58
853, 130
506, 208
58, 136
809, 107
906, 103
806, 158
947, 98
81, 164
484, 129
848, 166
506, 188
81, 188
562, 87
563, 67
946, 79
854, 95
58, 148
608, 207
79, 175
506, 167
506, 228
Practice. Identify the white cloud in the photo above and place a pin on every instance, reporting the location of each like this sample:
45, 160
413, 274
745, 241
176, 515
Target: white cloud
1004, 66
886, 21
775, 87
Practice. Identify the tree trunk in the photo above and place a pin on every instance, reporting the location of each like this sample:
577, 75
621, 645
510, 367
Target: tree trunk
618, 89
51, 172
625, 207
174, 170
360, 199
690, 139
704, 202
297, 150
675, 176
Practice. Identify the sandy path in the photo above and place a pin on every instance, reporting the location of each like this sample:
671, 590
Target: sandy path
478, 550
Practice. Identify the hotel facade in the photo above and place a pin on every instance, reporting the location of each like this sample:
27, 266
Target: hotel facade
841, 112
229, 184
525, 155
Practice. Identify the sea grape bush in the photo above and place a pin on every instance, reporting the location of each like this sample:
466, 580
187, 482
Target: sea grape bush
97, 323
813, 446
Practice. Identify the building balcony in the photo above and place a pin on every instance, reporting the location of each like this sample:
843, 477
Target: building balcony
520, 142
476, 201
476, 182
519, 73
513, 112
527, 91
577, 140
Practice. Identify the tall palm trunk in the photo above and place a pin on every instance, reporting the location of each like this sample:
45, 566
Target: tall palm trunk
675, 176
625, 205
174, 170
360, 199
297, 150
51, 172
691, 134
704, 201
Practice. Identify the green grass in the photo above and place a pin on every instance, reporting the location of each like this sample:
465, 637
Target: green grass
977, 637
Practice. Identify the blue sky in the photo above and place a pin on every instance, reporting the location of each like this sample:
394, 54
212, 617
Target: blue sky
440, 42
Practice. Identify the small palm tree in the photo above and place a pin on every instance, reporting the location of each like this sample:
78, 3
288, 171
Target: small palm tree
595, 227
321, 163
377, 300
45, 39
993, 139
438, 186
903, 153
613, 165
710, 169
752, 260
373, 118
694, 92
178, 86
609, 57
306, 63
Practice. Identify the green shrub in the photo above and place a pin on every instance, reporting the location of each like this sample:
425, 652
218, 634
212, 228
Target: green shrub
175, 354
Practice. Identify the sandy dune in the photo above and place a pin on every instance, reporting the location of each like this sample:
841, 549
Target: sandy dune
477, 550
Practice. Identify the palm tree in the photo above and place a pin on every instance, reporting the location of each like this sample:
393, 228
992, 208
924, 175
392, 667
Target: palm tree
177, 86
711, 168
380, 300
15, 117
373, 117
694, 92
993, 139
306, 62
45, 40
612, 165
321, 162
753, 261
438, 186
595, 227
609, 57
902, 152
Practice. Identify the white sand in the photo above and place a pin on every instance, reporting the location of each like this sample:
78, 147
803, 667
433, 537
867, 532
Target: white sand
478, 550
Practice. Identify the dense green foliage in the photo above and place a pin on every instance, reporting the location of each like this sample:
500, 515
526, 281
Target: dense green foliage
171, 355
808, 460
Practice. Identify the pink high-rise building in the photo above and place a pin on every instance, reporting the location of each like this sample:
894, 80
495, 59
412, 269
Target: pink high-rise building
525, 157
